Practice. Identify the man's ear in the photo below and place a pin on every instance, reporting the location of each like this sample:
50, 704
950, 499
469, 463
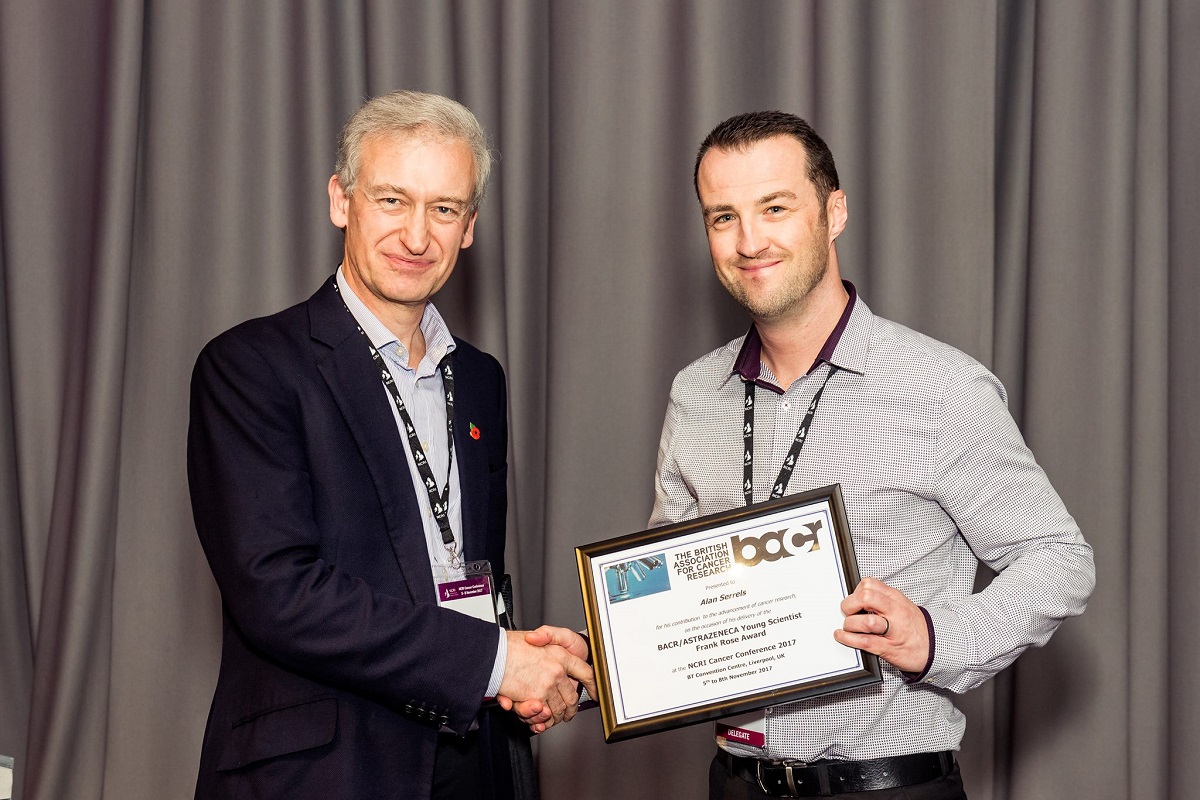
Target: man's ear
338, 212
469, 233
836, 212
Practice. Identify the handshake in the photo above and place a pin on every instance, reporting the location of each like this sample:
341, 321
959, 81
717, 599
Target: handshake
542, 676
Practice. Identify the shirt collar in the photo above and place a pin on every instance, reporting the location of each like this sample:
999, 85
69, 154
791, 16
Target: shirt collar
438, 339
748, 364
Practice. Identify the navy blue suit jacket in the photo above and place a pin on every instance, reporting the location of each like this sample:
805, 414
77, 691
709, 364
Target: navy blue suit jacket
337, 666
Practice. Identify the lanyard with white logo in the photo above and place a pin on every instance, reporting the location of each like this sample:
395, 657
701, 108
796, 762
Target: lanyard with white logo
789, 463
439, 502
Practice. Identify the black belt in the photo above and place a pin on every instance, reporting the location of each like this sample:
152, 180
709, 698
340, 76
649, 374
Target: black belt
824, 778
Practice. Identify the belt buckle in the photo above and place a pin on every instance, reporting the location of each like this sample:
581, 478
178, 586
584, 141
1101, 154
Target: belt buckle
788, 765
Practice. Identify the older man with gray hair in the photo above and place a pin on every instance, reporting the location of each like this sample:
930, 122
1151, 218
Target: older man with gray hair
347, 460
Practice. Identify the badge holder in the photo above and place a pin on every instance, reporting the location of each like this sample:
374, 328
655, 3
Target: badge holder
469, 591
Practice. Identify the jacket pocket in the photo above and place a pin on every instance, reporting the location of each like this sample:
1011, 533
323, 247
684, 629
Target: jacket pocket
280, 731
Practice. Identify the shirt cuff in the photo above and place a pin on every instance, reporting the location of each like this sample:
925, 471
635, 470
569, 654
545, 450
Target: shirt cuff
917, 677
498, 666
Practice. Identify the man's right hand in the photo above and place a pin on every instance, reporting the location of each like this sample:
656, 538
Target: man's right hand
545, 674
533, 712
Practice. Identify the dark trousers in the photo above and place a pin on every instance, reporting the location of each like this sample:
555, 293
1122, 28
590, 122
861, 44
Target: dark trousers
458, 768
724, 786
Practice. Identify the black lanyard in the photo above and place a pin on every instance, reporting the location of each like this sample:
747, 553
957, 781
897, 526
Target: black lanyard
789, 463
439, 502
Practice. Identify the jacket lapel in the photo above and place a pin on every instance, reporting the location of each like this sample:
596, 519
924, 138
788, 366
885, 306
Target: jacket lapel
354, 381
472, 469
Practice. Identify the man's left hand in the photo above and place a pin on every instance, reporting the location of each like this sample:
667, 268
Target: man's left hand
881, 620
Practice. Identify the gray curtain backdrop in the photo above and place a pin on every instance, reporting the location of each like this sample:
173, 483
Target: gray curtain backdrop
1022, 184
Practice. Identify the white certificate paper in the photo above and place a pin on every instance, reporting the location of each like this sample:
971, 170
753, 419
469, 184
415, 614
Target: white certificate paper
722, 614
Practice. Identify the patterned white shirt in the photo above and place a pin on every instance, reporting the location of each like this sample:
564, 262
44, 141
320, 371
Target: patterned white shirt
934, 473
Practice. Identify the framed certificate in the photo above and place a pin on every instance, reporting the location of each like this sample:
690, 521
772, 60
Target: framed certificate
722, 614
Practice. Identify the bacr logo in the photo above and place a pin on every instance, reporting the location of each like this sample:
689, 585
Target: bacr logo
751, 551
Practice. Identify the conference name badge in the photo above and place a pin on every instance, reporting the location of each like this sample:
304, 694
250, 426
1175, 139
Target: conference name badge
467, 591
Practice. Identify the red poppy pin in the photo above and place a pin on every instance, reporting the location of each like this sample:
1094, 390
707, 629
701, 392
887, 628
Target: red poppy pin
474, 431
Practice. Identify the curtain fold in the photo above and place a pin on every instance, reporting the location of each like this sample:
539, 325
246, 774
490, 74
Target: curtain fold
1021, 180
16, 645
77, 182
1182, 656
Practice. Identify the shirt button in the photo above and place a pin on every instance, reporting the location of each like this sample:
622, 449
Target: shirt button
786, 405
